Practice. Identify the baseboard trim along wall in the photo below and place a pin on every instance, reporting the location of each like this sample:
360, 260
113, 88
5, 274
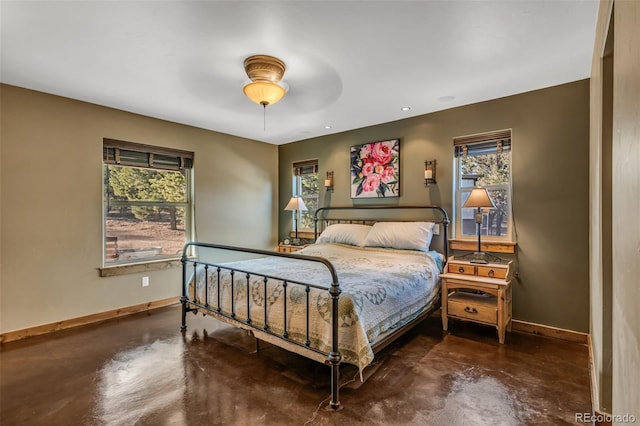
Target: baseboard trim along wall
11, 336
549, 331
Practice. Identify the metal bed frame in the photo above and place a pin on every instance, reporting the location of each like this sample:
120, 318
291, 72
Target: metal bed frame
324, 216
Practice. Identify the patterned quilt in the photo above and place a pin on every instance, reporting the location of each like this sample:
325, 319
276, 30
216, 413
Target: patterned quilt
381, 289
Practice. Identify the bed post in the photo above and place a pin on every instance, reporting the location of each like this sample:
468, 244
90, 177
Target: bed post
334, 355
183, 327
445, 221
185, 297
315, 226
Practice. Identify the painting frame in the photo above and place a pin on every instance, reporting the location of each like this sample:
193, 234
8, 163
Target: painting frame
375, 170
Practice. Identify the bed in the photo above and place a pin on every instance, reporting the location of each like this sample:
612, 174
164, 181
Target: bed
371, 274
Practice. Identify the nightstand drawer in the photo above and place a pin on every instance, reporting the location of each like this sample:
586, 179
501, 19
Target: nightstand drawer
461, 268
476, 307
486, 271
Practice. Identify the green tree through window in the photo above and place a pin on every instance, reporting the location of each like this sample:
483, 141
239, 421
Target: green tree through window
494, 173
134, 184
147, 208
305, 185
484, 163
309, 193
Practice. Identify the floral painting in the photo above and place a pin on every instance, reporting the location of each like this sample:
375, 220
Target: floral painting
375, 170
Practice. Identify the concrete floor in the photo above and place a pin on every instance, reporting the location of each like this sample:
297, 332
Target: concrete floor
141, 370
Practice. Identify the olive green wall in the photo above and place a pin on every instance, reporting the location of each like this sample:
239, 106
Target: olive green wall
51, 203
550, 160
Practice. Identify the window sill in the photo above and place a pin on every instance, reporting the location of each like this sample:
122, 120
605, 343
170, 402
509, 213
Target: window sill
134, 268
488, 246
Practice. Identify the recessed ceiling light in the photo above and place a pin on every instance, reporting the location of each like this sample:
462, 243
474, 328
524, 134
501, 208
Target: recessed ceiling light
405, 108
327, 127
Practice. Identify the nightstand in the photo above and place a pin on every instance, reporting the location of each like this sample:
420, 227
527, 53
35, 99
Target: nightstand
478, 292
288, 248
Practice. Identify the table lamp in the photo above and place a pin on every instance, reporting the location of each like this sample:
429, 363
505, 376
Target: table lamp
479, 199
295, 204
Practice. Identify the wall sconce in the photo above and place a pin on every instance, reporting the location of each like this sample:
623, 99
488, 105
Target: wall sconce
328, 182
429, 172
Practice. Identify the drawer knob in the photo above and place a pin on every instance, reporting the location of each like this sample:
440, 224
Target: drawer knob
470, 310
461, 269
491, 273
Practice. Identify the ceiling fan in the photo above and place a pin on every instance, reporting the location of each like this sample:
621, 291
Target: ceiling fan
265, 73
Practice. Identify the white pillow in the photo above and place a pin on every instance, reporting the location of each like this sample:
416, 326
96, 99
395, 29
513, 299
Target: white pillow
401, 235
344, 233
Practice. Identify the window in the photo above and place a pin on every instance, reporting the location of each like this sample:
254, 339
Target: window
484, 160
147, 202
305, 185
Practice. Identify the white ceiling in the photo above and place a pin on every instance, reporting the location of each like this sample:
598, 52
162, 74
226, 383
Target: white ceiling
350, 64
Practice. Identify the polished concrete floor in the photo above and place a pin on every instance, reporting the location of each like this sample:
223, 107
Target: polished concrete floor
141, 370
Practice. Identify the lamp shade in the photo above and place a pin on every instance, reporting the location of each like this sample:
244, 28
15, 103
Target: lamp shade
478, 198
264, 92
296, 203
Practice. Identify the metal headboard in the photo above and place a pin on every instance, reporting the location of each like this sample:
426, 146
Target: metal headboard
329, 215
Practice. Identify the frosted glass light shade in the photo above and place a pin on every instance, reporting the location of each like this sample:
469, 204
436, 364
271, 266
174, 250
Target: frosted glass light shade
264, 92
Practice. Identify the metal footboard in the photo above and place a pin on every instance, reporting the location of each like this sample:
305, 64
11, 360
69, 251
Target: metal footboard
323, 217
190, 302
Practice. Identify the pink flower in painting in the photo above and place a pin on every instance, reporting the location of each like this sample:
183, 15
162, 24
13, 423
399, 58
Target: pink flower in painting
387, 174
367, 169
365, 151
381, 153
371, 183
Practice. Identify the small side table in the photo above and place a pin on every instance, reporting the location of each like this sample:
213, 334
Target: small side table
289, 248
478, 292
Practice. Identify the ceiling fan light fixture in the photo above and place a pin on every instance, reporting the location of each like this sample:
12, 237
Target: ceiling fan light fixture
265, 72
264, 92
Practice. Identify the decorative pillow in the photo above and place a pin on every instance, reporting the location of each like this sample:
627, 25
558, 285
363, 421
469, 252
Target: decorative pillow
401, 235
344, 233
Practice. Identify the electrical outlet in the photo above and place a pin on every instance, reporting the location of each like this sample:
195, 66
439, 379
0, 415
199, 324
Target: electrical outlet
436, 229
145, 281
